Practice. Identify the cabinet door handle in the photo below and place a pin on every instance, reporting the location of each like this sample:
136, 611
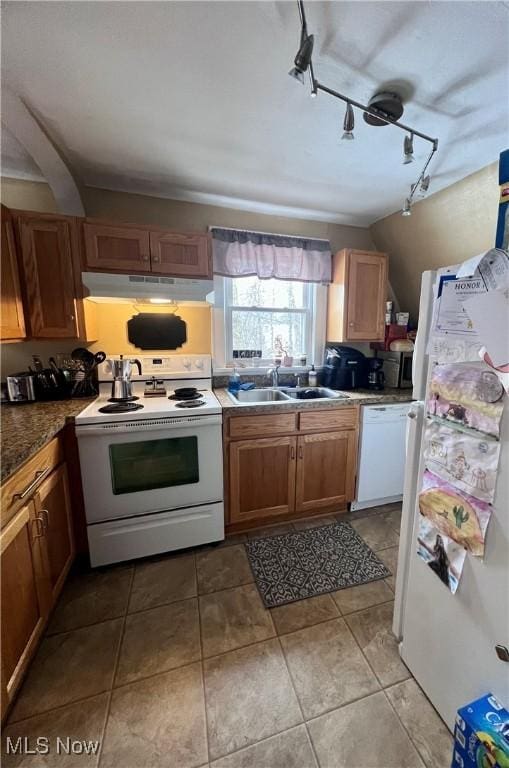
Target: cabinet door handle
45, 516
145, 257
39, 477
292, 453
156, 259
301, 452
351, 324
39, 524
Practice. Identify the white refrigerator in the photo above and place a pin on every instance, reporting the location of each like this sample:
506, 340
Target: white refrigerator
448, 640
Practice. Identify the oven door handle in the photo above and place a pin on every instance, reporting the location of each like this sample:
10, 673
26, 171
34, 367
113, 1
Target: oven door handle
155, 425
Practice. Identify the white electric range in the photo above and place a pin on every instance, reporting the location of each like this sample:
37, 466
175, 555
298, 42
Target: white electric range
152, 475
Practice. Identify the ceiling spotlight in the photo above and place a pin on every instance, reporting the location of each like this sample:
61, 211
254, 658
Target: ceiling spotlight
297, 74
407, 208
348, 123
425, 185
303, 56
408, 149
314, 91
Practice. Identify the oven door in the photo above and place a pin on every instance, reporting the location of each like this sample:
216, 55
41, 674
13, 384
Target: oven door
141, 467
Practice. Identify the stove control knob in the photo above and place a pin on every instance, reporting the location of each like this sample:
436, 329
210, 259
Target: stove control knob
187, 363
199, 364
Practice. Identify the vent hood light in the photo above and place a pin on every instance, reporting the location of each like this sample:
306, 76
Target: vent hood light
162, 301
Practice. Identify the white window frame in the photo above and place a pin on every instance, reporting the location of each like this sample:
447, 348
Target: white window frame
222, 346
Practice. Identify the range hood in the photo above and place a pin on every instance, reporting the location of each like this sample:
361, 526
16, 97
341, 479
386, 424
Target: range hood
150, 288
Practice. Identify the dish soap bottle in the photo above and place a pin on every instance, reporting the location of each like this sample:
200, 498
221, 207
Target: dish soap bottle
234, 382
313, 377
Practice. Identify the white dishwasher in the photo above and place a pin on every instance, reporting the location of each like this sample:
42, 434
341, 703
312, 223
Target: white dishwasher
382, 450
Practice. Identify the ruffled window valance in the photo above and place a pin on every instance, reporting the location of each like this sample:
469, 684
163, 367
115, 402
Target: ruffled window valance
238, 253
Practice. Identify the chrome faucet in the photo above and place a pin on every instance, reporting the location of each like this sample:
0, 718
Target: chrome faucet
273, 373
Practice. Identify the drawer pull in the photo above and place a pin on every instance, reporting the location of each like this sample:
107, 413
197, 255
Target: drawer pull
39, 477
39, 524
45, 517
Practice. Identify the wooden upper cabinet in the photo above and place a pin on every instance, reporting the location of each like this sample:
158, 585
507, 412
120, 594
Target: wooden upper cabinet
12, 321
50, 258
120, 248
182, 255
24, 603
326, 469
357, 295
262, 478
128, 248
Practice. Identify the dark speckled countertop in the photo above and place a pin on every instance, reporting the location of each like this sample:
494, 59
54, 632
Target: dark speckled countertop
355, 397
27, 428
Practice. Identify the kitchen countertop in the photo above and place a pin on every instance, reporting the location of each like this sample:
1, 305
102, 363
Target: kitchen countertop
355, 397
27, 428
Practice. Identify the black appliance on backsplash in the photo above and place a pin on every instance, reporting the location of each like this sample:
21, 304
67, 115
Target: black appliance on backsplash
376, 376
344, 368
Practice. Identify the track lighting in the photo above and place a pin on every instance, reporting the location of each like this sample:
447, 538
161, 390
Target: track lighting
303, 56
384, 108
408, 149
348, 123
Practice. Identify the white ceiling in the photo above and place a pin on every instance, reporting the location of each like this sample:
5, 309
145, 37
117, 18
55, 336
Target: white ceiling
192, 100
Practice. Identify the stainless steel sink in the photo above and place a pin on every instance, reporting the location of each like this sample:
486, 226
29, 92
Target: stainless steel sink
259, 396
316, 393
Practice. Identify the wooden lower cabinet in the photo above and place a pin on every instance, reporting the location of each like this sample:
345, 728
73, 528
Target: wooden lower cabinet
262, 478
25, 601
53, 507
326, 468
271, 475
37, 550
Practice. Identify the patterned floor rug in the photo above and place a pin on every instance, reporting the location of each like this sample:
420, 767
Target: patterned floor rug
307, 563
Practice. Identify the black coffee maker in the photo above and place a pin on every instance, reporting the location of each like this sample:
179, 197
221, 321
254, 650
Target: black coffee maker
375, 375
345, 367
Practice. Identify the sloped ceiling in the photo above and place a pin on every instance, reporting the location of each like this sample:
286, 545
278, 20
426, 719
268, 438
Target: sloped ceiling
191, 100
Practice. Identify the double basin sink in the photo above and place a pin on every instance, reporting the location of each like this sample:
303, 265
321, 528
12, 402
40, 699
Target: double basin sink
259, 396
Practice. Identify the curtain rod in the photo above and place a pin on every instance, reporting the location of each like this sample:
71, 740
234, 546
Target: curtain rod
271, 234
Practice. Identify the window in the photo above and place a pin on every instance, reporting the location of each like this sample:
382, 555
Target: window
266, 315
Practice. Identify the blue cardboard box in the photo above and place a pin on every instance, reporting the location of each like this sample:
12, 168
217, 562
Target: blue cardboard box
481, 735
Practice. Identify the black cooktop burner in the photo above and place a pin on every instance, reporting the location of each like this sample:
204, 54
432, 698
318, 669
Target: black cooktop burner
190, 403
120, 407
123, 399
196, 396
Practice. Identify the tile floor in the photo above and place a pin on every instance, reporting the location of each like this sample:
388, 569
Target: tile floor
175, 662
